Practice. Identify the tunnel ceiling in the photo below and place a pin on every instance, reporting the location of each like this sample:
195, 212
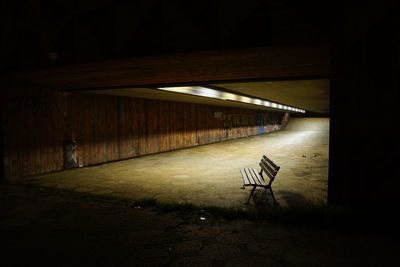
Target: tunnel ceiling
296, 76
311, 95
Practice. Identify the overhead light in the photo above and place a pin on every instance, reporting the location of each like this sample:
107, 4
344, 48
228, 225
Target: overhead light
229, 96
258, 102
212, 93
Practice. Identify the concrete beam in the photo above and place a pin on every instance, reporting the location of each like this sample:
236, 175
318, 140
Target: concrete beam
211, 66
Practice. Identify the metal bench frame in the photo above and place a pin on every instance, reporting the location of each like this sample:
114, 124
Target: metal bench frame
256, 179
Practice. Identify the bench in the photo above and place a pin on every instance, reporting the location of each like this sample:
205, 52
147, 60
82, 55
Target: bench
252, 177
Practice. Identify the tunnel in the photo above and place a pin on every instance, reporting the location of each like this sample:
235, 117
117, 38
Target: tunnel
199, 133
76, 126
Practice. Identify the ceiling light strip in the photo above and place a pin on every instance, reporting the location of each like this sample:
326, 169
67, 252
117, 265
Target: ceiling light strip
212, 93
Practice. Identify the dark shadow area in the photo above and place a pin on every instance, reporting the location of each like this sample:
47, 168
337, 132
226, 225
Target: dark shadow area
54, 227
262, 199
44, 34
300, 212
365, 59
292, 199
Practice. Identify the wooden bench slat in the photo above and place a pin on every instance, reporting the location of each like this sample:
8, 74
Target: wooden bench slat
255, 177
276, 167
265, 168
244, 176
270, 168
260, 179
250, 176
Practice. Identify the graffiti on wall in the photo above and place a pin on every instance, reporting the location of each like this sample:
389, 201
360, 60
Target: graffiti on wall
260, 122
264, 121
232, 120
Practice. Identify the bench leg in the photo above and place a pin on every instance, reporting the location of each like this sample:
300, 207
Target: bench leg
252, 191
272, 194
242, 187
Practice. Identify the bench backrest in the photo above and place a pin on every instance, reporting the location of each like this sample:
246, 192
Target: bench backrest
270, 168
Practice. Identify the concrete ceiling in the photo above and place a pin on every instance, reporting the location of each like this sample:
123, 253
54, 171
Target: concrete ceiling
296, 76
178, 97
311, 95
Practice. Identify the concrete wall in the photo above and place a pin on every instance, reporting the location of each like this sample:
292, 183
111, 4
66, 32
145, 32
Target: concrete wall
109, 128
308, 124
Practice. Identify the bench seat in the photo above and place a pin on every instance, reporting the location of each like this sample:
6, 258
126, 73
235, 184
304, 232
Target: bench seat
252, 177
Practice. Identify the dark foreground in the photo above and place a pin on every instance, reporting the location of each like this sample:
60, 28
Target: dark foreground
47, 227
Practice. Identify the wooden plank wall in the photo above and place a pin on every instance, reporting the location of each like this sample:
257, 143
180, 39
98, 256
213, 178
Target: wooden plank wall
33, 132
109, 128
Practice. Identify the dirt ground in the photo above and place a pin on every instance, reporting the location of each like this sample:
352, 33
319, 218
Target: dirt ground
49, 227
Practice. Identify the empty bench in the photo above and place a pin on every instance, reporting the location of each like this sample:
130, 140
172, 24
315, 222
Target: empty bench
252, 177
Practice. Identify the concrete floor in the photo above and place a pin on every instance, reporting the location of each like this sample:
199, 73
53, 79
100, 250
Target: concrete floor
209, 175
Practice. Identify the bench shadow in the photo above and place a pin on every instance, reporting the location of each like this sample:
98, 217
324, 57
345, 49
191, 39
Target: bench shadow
292, 199
262, 199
